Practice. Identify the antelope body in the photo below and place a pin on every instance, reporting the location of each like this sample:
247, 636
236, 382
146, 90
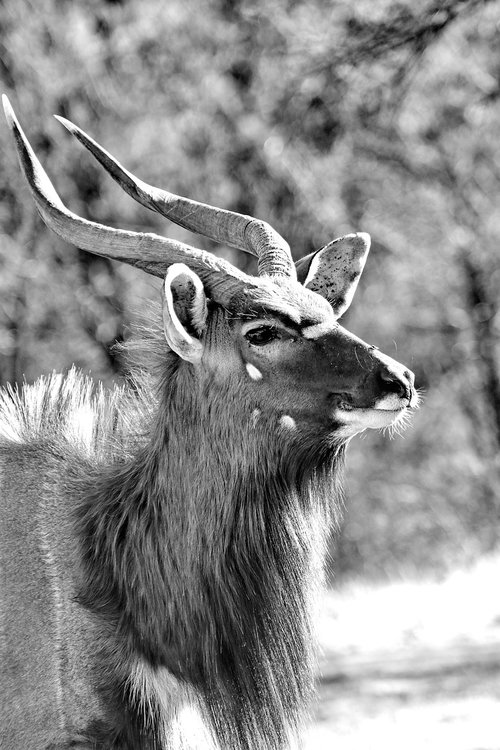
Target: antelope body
162, 546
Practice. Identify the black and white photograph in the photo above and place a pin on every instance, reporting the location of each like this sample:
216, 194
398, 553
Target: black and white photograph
250, 375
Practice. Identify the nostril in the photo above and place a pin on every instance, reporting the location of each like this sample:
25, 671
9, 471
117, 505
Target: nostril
395, 383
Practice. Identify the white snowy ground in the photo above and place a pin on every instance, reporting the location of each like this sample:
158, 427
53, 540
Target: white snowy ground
411, 665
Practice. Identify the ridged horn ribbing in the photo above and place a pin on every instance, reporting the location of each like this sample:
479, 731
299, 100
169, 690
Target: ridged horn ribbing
150, 252
243, 232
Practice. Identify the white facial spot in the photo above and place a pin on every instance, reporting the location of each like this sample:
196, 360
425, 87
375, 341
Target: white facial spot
288, 422
255, 417
254, 373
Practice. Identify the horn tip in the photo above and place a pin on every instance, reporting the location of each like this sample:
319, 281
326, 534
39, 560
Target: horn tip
67, 123
9, 112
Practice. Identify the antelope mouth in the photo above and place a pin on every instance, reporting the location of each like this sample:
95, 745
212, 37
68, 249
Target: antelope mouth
387, 409
351, 409
358, 418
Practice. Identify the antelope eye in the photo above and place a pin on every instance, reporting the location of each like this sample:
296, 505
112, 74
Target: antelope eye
262, 335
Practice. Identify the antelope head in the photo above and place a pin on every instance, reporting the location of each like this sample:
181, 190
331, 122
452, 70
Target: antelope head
276, 334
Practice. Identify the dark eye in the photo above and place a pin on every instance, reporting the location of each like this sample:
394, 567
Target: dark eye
262, 335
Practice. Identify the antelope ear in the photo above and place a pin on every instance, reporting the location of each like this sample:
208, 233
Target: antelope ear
184, 312
334, 270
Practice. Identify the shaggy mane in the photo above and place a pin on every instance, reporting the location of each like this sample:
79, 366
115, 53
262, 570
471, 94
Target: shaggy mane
99, 422
71, 408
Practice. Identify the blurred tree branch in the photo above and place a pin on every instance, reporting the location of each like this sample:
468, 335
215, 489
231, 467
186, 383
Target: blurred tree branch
411, 26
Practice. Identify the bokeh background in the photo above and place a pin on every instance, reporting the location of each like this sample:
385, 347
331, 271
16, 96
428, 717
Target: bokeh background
322, 117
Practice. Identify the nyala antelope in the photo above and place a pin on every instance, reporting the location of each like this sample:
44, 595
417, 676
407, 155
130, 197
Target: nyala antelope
163, 544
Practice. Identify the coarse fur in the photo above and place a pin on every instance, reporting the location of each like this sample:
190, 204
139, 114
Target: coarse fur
216, 580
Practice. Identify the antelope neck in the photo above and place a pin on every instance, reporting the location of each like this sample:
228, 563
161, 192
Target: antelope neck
204, 552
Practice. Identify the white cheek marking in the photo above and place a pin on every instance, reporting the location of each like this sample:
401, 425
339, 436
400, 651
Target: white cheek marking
288, 422
255, 417
253, 372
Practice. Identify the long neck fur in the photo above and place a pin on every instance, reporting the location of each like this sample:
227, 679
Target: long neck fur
206, 548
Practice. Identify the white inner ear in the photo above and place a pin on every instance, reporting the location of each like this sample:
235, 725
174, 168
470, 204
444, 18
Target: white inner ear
313, 268
183, 281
